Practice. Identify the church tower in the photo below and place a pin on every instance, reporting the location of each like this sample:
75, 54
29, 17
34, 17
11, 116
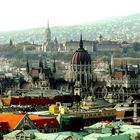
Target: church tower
48, 45
48, 34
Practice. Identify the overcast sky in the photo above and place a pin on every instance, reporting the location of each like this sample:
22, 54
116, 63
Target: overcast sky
21, 14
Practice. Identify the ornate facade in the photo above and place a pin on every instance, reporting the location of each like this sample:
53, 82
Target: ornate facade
41, 76
127, 77
80, 76
122, 82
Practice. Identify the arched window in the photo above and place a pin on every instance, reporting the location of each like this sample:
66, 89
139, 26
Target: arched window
78, 77
82, 78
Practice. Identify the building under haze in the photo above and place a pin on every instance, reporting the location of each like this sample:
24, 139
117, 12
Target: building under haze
49, 45
102, 45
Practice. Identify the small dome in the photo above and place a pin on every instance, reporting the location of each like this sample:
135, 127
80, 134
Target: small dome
81, 56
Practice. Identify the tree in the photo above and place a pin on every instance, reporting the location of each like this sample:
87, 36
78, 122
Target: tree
16, 62
11, 42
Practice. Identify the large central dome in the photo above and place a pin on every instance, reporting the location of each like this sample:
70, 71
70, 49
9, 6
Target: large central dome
81, 56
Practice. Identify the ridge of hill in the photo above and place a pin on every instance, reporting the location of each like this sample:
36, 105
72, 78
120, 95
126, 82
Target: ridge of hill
125, 28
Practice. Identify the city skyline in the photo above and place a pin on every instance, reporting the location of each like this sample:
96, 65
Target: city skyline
23, 14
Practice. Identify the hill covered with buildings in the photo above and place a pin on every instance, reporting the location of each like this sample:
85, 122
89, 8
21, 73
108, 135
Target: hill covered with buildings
119, 28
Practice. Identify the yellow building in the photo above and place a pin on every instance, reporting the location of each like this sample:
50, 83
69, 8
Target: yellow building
54, 108
57, 108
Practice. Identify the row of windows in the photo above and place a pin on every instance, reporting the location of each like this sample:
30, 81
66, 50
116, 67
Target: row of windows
98, 114
22, 138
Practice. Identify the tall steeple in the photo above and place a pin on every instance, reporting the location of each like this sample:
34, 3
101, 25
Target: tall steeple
48, 33
81, 42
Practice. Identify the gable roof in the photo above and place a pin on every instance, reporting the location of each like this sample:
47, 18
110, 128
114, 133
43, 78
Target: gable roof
58, 136
11, 119
40, 122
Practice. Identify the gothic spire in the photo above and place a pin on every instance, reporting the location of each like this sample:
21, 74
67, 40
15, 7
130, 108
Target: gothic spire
27, 66
122, 64
41, 63
54, 66
138, 68
126, 68
45, 63
110, 70
48, 33
81, 42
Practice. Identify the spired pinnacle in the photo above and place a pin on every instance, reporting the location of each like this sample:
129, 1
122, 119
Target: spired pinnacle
81, 42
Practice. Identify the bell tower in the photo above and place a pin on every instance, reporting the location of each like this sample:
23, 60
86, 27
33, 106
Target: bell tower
48, 33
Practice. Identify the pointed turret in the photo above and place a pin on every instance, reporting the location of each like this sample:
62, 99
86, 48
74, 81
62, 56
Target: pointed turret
126, 68
122, 66
41, 63
27, 66
138, 69
54, 66
45, 63
110, 70
81, 42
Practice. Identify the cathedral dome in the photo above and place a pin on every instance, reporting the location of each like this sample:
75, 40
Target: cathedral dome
81, 56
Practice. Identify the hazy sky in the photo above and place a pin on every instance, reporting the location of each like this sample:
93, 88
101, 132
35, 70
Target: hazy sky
19, 14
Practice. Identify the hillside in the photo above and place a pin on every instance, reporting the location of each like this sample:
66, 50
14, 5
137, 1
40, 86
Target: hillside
122, 28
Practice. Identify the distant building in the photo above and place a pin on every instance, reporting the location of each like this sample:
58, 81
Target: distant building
125, 76
30, 49
49, 45
107, 45
72, 46
99, 45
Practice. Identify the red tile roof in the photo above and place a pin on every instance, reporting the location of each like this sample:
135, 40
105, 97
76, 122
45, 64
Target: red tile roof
40, 122
35, 72
118, 74
11, 119
34, 101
